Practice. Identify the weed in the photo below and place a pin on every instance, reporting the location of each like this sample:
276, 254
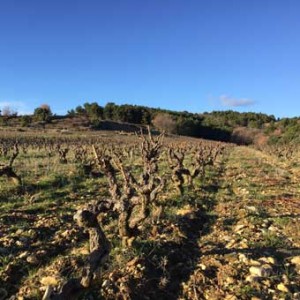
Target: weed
270, 240
248, 291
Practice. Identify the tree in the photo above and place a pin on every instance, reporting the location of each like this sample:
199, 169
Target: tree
8, 112
109, 110
43, 113
188, 126
79, 110
94, 111
71, 113
164, 122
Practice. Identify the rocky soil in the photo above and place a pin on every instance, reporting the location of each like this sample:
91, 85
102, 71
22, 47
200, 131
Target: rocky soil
235, 237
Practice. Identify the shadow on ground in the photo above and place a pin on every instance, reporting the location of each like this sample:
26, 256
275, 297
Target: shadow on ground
171, 263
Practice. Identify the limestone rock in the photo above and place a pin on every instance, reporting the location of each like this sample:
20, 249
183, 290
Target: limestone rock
23, 254
296, 260
252, 209
230, 244
282, 287
239, 227
253, 262
268, 260
243, 258
272, 228
262, 271
243, 245
49, 280
32, 259
296, 296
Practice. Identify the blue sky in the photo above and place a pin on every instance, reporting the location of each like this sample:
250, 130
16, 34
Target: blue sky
194, 55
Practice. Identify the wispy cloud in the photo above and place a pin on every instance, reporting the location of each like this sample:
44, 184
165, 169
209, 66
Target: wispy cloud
235, 102
18, 106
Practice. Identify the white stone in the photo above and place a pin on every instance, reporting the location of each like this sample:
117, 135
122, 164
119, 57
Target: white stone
268, 260
281, 287
272, 228
296, 260
253, 262
23, 254
49, 280
296, 296
230, 244
263, 271
252, 208
32, 259
239, 227
105, 283
243, 258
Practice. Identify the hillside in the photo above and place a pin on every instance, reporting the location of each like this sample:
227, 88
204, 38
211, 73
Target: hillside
228, 126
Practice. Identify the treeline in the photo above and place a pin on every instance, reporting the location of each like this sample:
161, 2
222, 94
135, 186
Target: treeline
111, 111
144, 115
229, 126
217, 125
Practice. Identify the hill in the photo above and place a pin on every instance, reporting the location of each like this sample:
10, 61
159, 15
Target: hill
229, 126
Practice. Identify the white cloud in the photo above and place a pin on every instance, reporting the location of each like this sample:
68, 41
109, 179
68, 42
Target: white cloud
234, 102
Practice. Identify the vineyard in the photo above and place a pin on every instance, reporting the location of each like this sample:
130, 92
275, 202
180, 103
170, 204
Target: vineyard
146, 216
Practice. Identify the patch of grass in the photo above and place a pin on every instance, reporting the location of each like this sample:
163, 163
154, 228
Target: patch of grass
270, 240
5, 260
144, 247
282, 221
248, 291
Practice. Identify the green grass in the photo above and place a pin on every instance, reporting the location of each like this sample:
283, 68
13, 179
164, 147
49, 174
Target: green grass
282, 221
270, 240
248, 291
